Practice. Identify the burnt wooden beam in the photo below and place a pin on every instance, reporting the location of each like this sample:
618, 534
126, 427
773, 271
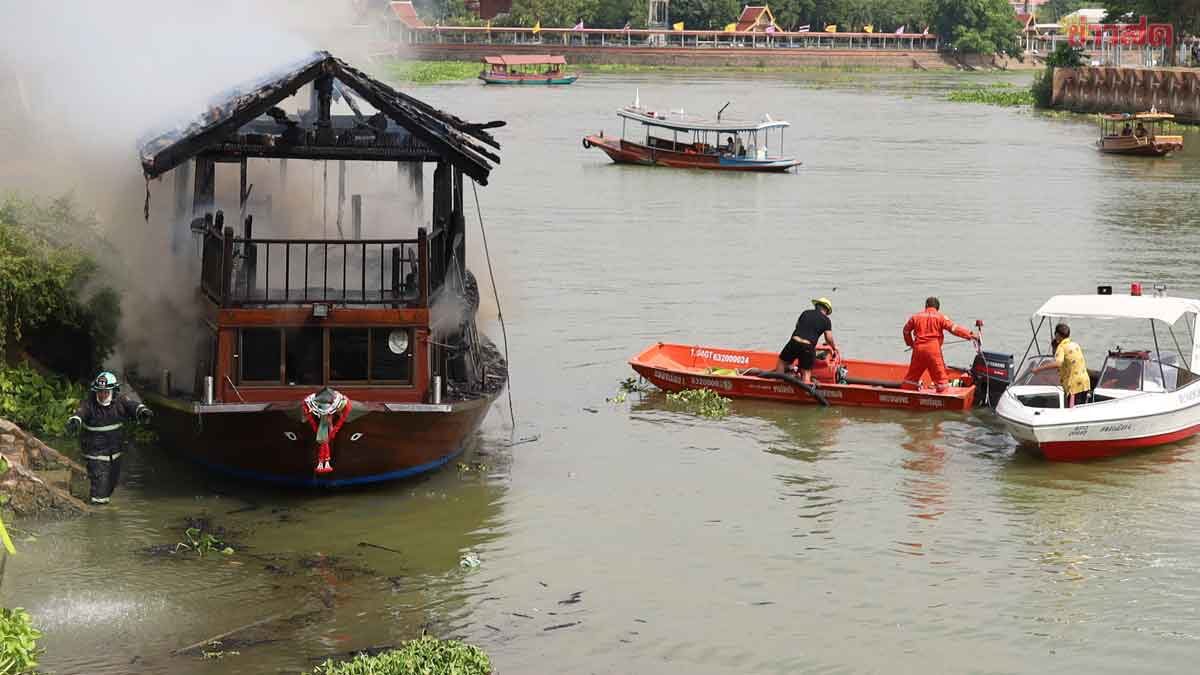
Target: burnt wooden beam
203, 185
234, 152
267, 97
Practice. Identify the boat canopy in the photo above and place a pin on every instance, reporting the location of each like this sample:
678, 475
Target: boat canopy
682, 122
1165, 309
524, 60
1143, 116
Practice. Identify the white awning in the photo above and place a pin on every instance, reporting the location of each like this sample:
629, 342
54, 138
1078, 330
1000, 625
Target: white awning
1167, 309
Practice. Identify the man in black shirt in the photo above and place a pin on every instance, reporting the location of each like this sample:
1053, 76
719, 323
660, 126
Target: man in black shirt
810, 327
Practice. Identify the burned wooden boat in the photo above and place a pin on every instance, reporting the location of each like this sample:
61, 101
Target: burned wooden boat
318, 362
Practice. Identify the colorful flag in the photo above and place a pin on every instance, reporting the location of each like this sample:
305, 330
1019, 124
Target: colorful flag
831, 28
678, 26
771, 28
537, 27
868, 28
730, 27
627, 26
900, 30
926, 31
578, 26
804, 29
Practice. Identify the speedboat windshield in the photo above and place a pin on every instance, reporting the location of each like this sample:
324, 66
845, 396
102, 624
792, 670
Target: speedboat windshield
1039, 370
1140, 371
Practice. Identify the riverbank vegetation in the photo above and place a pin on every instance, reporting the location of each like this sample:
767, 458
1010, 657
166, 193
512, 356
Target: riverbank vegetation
430, 72
18, 642
54, 304
37, 402
415, 657
1063, 56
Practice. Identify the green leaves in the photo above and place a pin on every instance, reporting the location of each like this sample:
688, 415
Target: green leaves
38, 403
978, 26
424, 656
44, 271
703, 402
202, 543
18, 642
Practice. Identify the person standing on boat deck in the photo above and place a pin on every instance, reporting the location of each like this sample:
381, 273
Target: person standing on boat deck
802, 346
101, 416
923, 332
1072, 369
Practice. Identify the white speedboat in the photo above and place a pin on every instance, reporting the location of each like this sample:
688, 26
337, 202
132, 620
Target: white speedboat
1139, 398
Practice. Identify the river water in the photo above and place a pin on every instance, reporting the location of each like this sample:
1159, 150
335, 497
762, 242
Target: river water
634, 538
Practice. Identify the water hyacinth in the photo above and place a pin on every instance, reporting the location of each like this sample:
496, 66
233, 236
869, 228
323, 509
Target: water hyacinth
423, 656
703, 402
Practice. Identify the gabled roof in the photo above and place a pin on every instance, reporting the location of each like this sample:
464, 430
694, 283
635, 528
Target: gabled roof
463, 144
751, 14
406, 14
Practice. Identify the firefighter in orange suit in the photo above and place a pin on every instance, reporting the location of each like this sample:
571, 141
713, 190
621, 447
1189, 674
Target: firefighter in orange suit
923, 332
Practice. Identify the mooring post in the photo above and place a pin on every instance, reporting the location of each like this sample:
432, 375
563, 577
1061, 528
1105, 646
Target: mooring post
423, 266
226, 266
395, 277
356, 215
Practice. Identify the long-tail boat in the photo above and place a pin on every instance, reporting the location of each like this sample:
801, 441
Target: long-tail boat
681, 141
1137, 134
318, 363
738, 373
526, 69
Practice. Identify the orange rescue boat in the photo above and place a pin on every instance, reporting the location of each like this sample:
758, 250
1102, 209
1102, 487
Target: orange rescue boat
745, 374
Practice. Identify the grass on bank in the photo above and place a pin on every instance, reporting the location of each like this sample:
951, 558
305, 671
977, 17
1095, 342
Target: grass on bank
429, 72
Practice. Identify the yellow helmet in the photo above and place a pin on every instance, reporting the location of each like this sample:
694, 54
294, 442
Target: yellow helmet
817, 302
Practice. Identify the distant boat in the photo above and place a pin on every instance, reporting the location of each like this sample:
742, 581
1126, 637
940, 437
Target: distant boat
526, 69
1118, 136
695, 142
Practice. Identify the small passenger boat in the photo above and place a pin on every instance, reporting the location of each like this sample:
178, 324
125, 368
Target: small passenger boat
526, 69
682, 141
847, 382
1139, 398
1137, 134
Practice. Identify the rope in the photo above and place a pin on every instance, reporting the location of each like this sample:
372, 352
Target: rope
512, 416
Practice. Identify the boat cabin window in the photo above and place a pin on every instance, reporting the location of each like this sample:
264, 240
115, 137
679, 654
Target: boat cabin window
391, 354
355, 355
303, 348
348, 354
259, 355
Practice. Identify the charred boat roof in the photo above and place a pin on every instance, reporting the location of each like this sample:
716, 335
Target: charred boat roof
430, 133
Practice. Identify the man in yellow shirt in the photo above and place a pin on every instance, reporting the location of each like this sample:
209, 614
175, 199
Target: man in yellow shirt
1072, 370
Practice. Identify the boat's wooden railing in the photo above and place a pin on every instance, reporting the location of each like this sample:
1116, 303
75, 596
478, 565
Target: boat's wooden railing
253, 272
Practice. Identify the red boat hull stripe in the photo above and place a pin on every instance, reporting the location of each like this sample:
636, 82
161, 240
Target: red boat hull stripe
1078, 451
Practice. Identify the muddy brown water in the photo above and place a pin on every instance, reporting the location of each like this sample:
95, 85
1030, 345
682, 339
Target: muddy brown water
631, 537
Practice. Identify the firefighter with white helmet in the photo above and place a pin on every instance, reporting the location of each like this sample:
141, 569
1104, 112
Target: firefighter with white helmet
101, 418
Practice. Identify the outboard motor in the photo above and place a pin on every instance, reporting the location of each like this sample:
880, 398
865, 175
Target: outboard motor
992, 372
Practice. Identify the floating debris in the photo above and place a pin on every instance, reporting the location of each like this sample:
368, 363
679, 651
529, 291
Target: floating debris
469, 560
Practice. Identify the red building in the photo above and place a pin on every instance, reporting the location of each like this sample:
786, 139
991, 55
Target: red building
488, 9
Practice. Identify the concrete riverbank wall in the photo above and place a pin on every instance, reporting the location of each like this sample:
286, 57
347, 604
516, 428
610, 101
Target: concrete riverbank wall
1125, 89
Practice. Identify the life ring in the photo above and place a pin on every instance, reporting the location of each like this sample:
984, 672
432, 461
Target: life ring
586, 143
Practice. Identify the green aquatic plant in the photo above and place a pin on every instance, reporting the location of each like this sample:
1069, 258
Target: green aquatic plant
423, 656
996, 95
38, 403
202, 543
429, 72
703, 402
18, 642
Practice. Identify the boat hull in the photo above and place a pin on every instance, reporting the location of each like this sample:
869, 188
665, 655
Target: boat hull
1104, 429
625, 152
493, 79
678, 367
273, 443
1160, 146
